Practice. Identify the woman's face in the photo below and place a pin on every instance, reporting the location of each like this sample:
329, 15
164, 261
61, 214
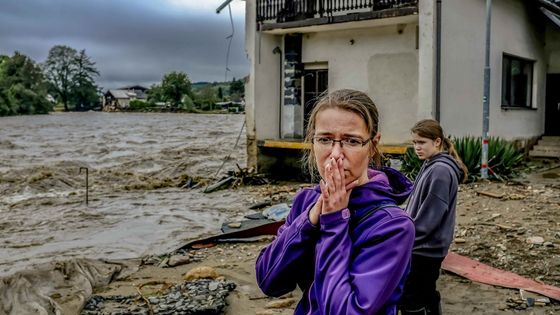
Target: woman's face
425, 148
338, 124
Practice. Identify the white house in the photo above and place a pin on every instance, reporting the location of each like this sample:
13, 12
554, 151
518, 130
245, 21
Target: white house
416, 59
118, 99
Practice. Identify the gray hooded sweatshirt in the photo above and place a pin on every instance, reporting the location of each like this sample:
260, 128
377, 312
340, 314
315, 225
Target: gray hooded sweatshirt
432, 205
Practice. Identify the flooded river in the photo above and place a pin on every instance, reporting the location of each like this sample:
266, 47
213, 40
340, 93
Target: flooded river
137, 165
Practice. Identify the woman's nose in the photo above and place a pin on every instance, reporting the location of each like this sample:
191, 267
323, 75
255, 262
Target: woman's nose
336, 150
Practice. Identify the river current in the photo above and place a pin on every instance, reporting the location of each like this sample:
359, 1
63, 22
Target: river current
140, 168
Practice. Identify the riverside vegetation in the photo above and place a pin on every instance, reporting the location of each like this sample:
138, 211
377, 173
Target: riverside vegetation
66, 81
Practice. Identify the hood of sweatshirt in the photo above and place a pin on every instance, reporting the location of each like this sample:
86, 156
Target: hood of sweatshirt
444, 157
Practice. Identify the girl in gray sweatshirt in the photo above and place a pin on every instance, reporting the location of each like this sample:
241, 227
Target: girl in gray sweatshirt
432, 207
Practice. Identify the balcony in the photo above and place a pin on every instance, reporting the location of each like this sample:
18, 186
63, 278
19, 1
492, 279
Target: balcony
285, 14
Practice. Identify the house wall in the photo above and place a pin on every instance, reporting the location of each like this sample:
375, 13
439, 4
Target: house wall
262, 92
463, 44
381, 61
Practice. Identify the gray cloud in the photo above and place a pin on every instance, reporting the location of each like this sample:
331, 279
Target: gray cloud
132, 41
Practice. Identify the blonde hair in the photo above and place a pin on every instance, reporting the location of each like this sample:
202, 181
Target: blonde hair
349, 100
431, 129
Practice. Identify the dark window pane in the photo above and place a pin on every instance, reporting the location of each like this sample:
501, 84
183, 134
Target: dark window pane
517, 81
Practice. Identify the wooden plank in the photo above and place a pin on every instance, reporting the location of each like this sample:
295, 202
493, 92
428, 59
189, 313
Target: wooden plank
283, 144
479, 272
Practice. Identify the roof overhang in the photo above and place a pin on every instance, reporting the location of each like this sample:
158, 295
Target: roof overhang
551, 10
553, 17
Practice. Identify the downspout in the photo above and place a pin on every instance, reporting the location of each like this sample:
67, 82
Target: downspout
438, 61
278, 51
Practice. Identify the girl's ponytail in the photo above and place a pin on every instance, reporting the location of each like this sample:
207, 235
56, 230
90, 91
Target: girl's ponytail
450, 148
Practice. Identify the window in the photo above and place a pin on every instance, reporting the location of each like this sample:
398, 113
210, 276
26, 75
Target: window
517, 82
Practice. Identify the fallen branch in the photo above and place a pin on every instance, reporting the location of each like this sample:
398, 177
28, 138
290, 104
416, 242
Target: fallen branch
489, 194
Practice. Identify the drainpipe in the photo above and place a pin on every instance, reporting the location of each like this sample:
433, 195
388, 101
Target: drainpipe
278, 51
438, 60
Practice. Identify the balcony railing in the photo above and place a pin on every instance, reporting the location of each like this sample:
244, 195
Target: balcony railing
280, 11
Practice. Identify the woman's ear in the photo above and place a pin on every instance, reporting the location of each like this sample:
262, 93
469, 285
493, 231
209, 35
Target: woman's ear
377, 138
438, 143
375, 142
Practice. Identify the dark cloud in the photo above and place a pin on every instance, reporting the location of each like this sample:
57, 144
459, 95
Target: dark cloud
132, 41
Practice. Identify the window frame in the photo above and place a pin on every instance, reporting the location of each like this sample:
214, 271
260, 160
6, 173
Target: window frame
507, 82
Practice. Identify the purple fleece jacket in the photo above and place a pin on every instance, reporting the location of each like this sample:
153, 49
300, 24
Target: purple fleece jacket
355, 262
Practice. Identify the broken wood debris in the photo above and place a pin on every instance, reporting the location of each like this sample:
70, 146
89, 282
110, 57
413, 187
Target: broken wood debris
490, 194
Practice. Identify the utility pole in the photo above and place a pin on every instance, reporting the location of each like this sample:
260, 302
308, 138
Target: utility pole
486, 97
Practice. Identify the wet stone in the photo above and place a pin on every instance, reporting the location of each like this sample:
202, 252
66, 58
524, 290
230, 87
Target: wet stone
203, 296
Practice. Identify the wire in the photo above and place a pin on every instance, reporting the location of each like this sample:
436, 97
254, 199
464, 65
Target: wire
234, 146
230, 39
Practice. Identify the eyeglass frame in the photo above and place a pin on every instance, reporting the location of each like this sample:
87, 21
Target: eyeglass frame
341, 141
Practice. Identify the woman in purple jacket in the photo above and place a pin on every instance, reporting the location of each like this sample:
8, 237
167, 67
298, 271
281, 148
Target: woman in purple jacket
345, 243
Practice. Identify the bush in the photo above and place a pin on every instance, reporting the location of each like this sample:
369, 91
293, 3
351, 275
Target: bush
138, 105
503, 158
411, 164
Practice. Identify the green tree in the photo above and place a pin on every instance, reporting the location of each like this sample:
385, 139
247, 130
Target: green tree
60, 69
206, 98
236, 89
237, 86
155, 94
23, 89
220, 93
83, 90
174, 86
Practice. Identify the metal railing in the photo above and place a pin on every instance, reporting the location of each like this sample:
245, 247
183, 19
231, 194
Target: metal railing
294, 10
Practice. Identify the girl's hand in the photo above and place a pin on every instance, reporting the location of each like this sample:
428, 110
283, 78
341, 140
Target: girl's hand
335, 193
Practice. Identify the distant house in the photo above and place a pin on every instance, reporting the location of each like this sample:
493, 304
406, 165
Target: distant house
416, 59
230, 106
118, 99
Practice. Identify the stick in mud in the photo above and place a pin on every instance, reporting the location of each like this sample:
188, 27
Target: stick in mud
87, 182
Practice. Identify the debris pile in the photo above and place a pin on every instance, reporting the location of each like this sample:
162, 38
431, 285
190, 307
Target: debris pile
202, 296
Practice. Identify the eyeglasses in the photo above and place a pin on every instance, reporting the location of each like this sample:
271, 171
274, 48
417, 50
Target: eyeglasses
350, 143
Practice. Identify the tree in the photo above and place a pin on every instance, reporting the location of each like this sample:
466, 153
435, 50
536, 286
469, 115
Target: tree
220, 93
155, 94
236, 89
174, 86
23, 89
237, 86
83, 89
206, 98
60, 69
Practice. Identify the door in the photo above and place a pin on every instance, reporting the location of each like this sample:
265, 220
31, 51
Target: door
315, 82
552, 112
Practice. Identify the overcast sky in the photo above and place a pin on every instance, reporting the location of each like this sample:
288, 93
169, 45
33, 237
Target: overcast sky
132, 41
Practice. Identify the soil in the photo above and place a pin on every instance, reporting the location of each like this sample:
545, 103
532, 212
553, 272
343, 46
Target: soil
509, 225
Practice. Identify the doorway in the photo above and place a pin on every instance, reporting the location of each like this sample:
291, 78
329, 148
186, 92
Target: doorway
552, 110
315, 82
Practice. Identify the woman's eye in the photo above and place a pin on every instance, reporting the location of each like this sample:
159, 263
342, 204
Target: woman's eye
323, 140
353, 142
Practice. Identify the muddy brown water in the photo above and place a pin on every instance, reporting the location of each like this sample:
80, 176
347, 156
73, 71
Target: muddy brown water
136, 162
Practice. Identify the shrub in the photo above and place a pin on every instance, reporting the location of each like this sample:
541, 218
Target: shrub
411, 164
138, 105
